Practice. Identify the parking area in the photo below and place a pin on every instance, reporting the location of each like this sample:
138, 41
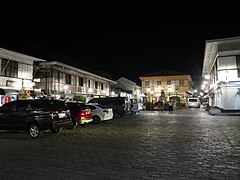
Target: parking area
188, 144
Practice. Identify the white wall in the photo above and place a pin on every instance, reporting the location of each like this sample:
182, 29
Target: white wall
227, 69
229, 98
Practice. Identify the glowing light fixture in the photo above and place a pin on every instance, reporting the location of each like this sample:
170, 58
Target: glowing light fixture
207, 77
112, 93
90, 90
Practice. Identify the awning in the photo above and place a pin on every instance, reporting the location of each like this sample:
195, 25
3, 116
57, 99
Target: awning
9, 92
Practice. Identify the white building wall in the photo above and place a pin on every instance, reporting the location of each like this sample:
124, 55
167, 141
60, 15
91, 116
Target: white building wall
230, 98
227, 69
218, 98
237, 99
225, 96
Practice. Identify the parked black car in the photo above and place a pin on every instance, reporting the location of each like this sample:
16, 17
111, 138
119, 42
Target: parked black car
35, 116
119, 105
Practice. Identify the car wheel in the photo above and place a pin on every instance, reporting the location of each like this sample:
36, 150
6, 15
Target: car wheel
34, 130
72, 125
55, 130
115, 115
96, 119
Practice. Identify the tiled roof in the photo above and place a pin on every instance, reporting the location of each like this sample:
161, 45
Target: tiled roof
165, 72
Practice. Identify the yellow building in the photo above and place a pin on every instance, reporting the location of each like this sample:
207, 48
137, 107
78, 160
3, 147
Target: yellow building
166, 85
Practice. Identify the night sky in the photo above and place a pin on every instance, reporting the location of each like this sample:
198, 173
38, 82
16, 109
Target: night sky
126, 42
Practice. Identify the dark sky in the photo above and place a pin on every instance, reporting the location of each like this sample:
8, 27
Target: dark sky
120, 42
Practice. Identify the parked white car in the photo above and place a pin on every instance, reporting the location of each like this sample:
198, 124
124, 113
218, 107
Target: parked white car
100, 113
193, 102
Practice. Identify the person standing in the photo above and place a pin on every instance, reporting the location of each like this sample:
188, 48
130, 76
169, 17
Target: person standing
161, 105
174, 105
170, 107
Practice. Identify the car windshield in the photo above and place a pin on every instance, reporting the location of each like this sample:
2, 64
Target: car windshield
58, 105
48, 105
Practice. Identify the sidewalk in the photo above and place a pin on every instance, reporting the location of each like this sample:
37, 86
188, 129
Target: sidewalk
217, 112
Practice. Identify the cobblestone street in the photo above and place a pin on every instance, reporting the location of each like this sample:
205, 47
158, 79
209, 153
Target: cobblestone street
188, 144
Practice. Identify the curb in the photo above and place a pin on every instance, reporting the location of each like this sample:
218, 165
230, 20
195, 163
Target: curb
223, 114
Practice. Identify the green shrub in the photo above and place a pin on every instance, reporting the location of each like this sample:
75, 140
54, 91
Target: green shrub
80, 98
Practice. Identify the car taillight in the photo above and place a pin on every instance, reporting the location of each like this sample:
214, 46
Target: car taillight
82, 113
86, 112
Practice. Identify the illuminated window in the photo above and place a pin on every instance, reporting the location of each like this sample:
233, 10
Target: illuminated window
96, 84
80, 81
227, 68
146, 83
9, 68
68, 79
74, 80
181, 82
57, 76
89, 83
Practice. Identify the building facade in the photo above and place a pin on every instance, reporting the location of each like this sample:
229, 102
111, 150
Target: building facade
16, 76
127, 88
221, 70
59, 80
166, 85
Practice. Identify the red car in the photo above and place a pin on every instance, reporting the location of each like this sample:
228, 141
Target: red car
81, 113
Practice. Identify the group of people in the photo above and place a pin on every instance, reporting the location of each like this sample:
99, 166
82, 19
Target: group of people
170, 106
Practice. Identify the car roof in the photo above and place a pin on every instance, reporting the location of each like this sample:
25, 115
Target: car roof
98, 106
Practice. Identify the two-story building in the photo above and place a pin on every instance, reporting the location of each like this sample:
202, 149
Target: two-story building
127, 88
16, 75
221, 70
166, 85
59, 80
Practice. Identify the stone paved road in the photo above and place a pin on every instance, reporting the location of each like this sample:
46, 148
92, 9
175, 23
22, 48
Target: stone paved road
189, 144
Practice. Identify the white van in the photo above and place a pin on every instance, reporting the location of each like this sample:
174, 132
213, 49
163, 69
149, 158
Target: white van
193, 102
